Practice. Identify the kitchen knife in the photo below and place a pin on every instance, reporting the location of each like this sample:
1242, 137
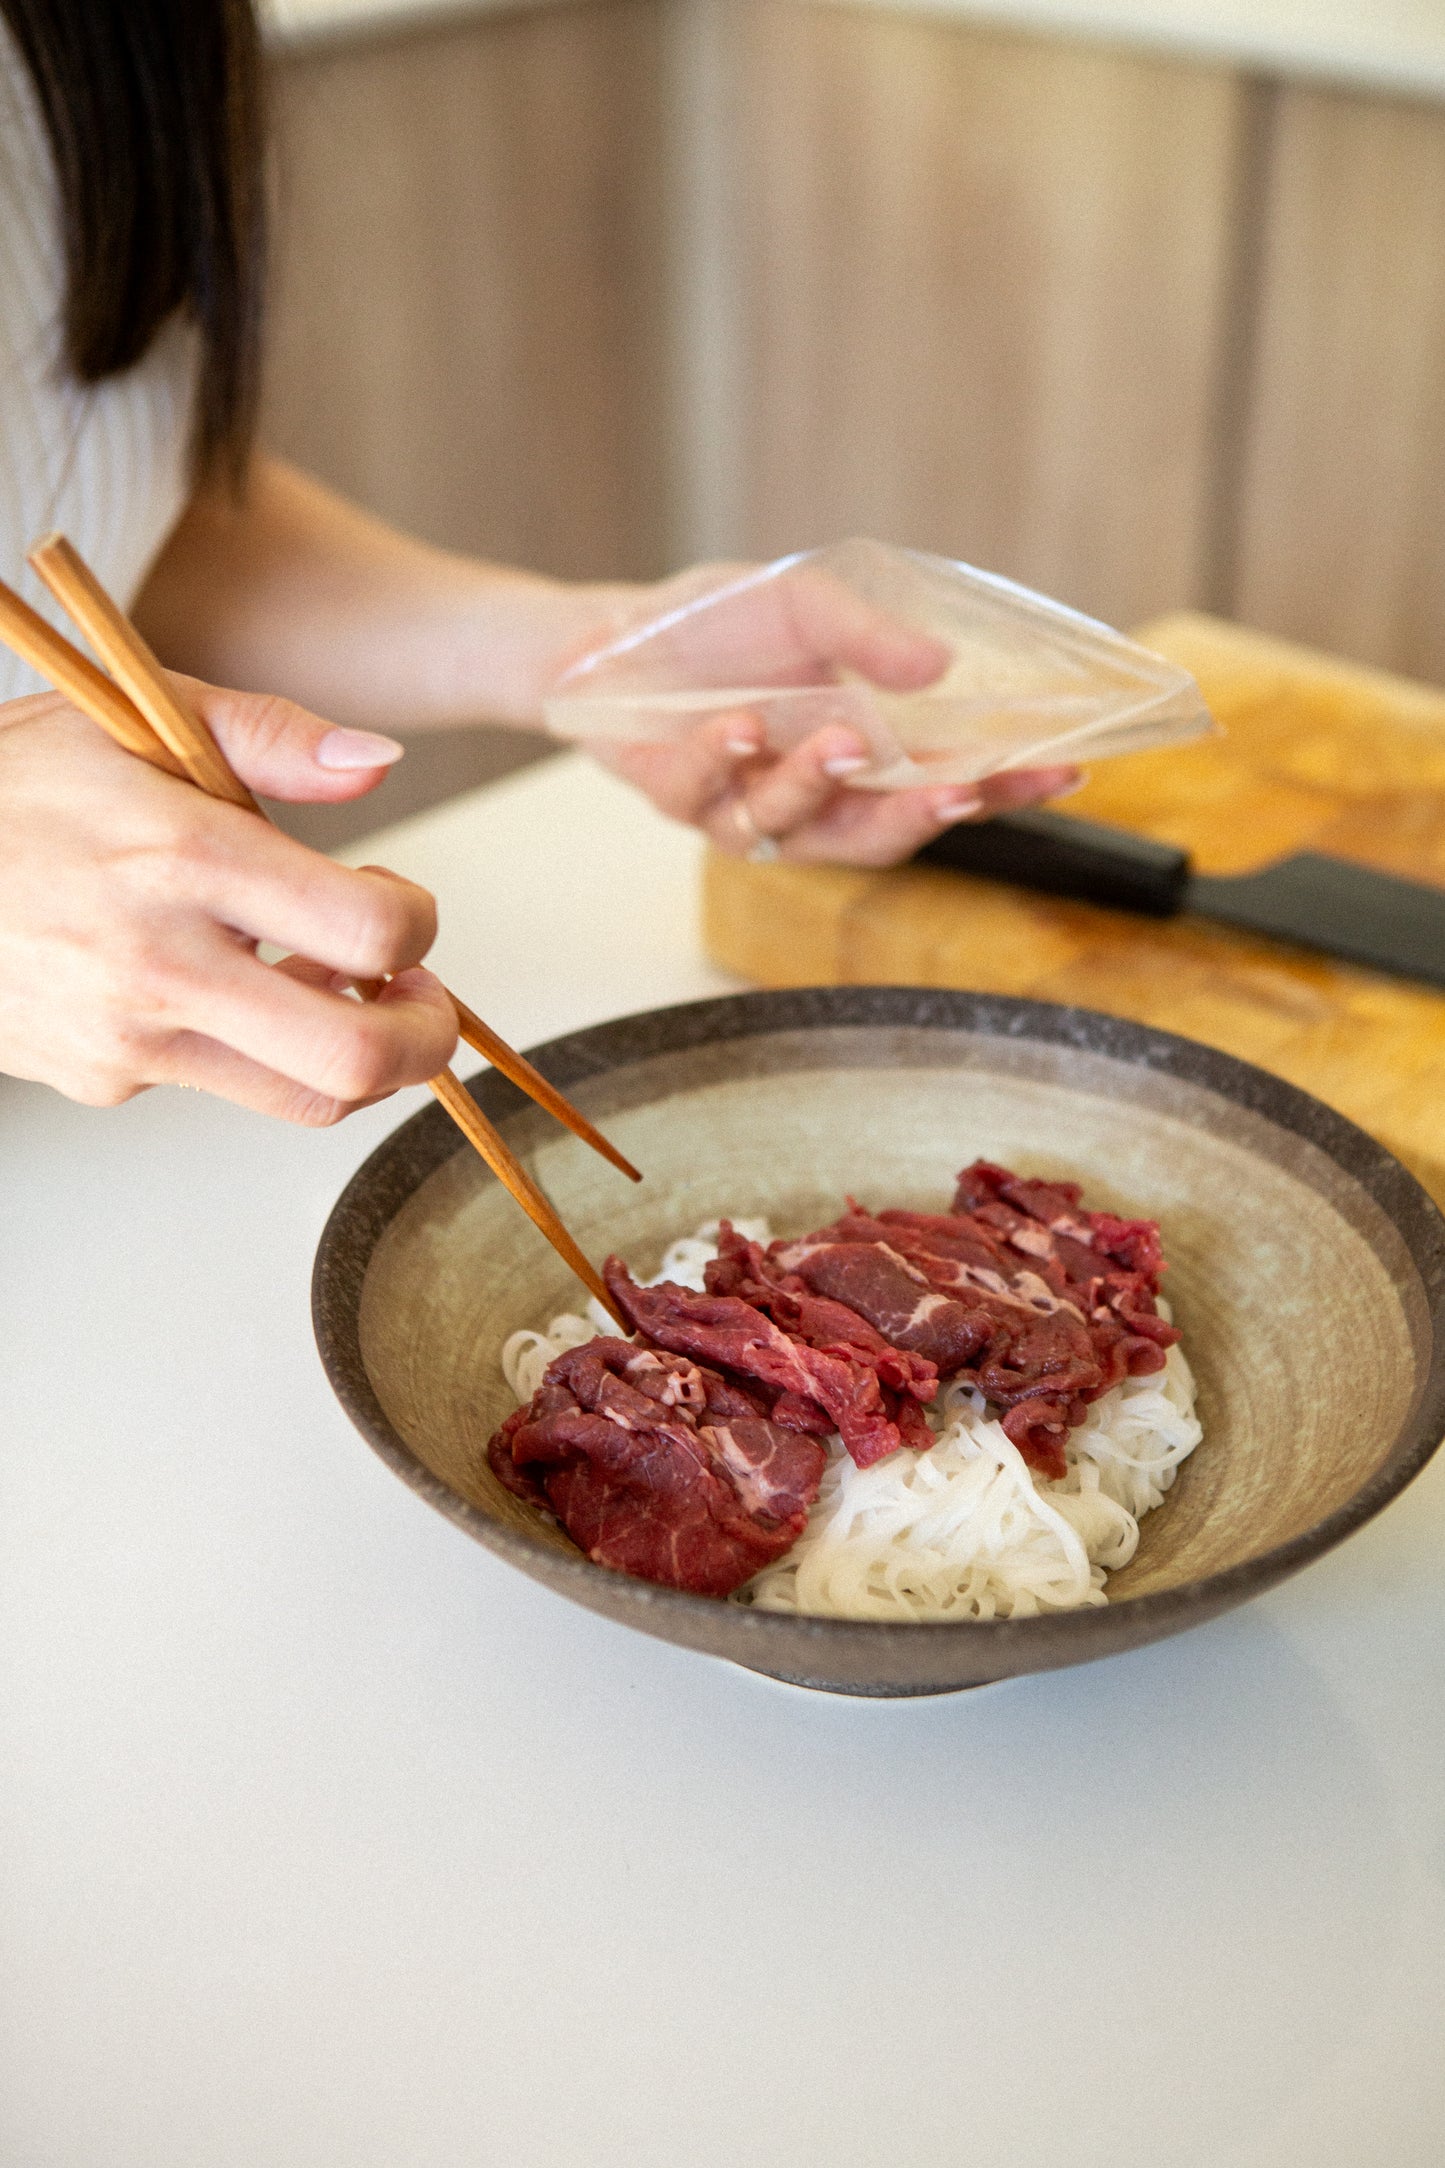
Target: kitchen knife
1324, 903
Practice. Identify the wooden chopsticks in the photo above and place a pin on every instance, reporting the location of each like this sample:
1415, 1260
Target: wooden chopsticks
139, 709
73, 674
136, 670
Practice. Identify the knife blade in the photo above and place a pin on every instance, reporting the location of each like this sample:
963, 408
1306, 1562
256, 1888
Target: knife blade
1324, 903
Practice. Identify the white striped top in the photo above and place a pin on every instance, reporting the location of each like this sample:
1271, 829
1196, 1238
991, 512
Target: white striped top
106, 463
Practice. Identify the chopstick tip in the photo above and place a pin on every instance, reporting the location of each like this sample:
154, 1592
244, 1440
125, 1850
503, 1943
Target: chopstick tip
49, 547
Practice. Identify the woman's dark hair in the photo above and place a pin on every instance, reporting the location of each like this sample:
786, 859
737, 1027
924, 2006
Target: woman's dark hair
154, 112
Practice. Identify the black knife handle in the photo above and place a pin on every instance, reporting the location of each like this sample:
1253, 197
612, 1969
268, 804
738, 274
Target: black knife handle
1068, 857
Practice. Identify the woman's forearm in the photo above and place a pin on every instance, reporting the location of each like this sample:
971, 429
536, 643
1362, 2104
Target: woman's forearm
299, 592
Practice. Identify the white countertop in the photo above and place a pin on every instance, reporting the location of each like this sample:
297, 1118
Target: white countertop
328, 1841
1396, 45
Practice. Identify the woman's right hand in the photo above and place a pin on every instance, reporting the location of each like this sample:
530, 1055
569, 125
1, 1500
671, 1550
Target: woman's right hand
131, 906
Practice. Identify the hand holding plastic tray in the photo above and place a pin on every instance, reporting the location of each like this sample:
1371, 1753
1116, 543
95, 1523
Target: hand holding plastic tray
1020, 682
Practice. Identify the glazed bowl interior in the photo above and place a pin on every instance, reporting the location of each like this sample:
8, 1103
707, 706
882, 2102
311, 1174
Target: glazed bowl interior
1304, 1269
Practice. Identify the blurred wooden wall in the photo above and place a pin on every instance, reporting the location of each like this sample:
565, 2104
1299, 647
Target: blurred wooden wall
988, 279
1141, 332
1340, 501
599, 287
468, 325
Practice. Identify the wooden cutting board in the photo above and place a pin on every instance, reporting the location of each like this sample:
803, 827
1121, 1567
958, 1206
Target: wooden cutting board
1314, 754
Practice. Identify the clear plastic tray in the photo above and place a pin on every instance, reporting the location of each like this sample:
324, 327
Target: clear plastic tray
1030, 683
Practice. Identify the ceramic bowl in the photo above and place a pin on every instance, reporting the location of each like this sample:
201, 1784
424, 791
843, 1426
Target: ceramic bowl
1306, 1270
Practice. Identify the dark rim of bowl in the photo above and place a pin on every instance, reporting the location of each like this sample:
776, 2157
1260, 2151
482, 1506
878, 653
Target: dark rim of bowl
420, 1145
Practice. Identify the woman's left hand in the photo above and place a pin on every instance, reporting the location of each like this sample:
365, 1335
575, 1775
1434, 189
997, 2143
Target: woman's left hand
754, 803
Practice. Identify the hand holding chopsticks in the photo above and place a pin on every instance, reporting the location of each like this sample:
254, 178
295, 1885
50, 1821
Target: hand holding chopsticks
139, 708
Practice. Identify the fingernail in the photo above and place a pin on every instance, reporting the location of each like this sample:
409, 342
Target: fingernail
357, 749
1066, 790
957, 805
845, 764
742, 747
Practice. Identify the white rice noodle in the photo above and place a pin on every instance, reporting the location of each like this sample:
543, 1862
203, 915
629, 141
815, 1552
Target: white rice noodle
526, 1355
965, 1530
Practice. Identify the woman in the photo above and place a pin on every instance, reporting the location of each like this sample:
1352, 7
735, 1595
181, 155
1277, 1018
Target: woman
130, 907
